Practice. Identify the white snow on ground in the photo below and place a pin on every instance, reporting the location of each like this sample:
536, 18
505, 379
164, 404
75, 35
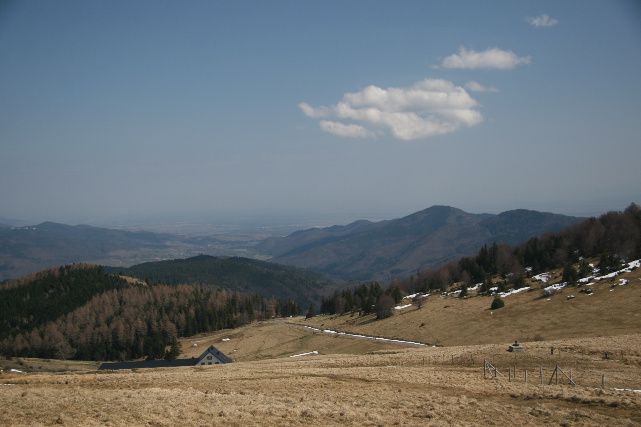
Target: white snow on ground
309, 353
543, 277
416, 295
607, 276
631, 266
475, 287
556, 287
623, 282
628, 389
17, 371
225, 339
367, 337
513, 292
400, 307
586, 279
494, 289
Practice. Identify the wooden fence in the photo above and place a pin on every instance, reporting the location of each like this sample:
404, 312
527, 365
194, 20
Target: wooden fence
558, 374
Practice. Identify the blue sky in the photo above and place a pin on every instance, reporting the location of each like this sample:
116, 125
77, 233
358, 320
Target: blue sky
134, 109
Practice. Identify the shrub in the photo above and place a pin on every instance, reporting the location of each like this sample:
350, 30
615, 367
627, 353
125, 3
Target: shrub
384, 307
497, 303
570, 274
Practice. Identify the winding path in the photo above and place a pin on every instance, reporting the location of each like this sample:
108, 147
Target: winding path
362, 337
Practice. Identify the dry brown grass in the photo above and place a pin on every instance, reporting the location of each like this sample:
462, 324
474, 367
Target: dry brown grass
527, 316
401, 387
263, 340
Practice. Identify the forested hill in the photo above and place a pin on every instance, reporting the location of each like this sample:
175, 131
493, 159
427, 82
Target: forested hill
381, 250
612, 240
82, 312
235, 273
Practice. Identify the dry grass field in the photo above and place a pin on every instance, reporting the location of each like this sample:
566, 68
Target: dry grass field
263, 340
426, 386
610, 310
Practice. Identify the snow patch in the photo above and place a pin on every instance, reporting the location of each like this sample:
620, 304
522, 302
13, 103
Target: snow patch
554, 288
16, 371
629, 389
367, 337
309, 353
475, 287
513, 291
542, 277
416, 295
401, 307
225, 339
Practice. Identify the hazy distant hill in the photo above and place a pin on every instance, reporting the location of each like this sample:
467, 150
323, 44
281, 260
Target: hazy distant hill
29, 249
367, 250
235, 273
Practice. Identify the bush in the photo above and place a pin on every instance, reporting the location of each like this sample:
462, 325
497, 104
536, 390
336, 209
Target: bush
570, 274
497, 303
384, 307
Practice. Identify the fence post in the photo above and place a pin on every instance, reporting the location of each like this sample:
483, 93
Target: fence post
602, 380
526, 376
541, 374
509, 373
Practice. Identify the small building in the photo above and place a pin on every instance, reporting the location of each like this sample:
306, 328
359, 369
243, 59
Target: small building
211, 356
515, 348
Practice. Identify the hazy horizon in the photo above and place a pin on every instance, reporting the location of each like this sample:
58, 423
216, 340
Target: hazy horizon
265, 113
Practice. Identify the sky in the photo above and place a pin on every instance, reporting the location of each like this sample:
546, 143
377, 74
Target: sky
350, 109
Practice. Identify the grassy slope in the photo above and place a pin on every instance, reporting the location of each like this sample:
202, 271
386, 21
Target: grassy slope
275, 339
454, 321
407, 387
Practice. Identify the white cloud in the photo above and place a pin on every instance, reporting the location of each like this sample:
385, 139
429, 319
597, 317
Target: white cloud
313, 112
489, 58
345, 130
542, 21
478, 87
428, 108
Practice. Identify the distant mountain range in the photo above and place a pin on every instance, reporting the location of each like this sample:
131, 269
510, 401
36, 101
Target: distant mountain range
362, 250
267, 279
29, 249
365, 250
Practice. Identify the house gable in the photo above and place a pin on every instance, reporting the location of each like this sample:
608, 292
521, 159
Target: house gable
212, 356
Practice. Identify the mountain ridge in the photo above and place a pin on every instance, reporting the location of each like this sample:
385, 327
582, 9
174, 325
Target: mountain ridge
364, 250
